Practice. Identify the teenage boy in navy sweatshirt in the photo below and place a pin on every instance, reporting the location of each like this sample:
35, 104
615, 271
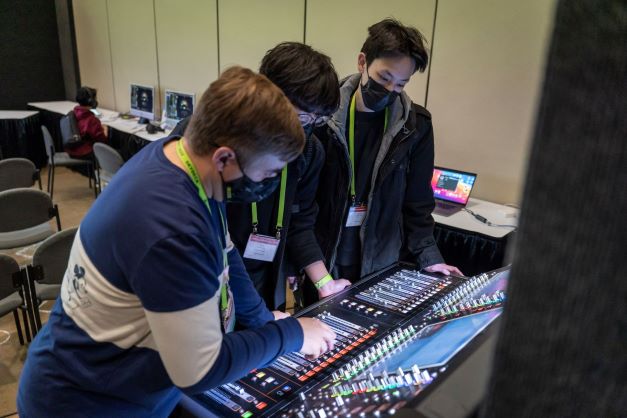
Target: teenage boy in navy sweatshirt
153, 284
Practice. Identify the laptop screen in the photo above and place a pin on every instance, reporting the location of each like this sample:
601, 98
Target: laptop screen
452, 185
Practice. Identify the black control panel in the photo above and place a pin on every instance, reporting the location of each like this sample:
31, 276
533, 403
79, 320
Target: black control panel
397, 332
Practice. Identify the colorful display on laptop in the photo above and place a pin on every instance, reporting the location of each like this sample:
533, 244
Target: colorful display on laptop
451, 185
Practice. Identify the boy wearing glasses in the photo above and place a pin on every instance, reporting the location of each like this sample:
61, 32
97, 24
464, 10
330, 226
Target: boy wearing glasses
374, 195
276, 235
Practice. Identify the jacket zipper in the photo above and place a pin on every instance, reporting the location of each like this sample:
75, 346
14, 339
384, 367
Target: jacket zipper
339, 235
398, 143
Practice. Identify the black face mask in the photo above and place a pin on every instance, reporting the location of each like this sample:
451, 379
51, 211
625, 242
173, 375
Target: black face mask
244, 190
375, 96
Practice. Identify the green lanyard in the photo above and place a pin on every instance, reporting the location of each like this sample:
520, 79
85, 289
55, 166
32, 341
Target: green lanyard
351, 142
193, 174
279, 218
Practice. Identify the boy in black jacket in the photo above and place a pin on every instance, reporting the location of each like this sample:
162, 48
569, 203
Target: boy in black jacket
374, 194
277, 226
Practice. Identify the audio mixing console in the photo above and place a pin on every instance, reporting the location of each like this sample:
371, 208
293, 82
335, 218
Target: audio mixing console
397, 332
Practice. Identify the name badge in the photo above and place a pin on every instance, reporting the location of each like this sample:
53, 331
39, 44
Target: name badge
261, 247
356, 215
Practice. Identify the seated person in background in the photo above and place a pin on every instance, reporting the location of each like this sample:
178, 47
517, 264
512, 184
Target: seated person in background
309, 81
375, 194
153, 284
89, 125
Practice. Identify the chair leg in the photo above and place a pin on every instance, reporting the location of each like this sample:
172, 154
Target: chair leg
52, 183
49, 177
57, 216
20, 336
26, 327
34, 301
96, 182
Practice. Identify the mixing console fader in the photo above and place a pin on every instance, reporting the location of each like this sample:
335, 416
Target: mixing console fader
398, 331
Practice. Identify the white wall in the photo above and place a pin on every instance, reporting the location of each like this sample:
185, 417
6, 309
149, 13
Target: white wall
339, 28
187, 44
486, 74
248, 28
486, 71
92, 43
133, 48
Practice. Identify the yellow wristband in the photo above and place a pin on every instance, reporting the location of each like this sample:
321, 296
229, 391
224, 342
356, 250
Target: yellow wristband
320, 283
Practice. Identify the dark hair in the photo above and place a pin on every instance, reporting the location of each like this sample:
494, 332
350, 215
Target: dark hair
86, 96
306, 76
246, 112
390, 38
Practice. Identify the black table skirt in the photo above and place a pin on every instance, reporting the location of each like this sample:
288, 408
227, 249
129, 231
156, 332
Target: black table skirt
23, 138
471, 252
126, 144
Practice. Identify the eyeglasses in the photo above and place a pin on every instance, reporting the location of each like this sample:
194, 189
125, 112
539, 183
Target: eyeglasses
311, 118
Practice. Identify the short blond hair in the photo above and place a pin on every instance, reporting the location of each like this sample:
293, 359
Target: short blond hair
244, 111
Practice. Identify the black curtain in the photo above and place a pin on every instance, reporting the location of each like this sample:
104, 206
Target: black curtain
562, 351
30, 59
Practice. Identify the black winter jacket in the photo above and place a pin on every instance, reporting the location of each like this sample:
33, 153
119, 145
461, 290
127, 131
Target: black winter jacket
401, 198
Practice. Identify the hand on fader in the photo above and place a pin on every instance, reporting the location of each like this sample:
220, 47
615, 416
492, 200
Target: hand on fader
333, 287
318, 338
444, 269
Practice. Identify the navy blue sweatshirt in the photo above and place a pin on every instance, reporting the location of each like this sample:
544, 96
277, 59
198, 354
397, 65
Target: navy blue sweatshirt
138, 320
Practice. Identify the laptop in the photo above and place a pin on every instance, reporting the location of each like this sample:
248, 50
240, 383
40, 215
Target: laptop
451, 189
